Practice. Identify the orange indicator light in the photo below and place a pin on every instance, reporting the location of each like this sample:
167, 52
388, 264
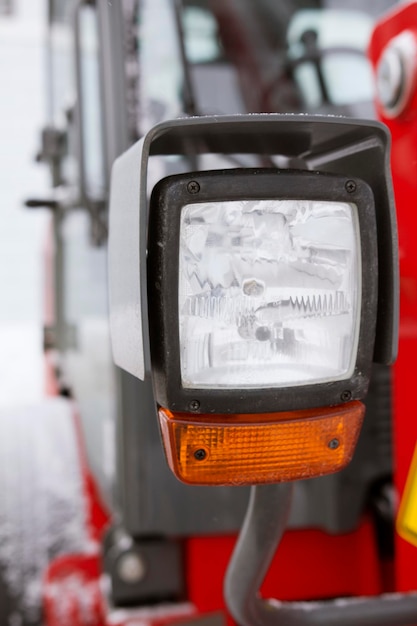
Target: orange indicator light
266, 448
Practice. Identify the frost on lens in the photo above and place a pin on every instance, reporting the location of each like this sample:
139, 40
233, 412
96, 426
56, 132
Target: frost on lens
269, 292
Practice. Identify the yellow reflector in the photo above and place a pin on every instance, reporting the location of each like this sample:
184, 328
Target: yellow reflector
266, 448
407, 515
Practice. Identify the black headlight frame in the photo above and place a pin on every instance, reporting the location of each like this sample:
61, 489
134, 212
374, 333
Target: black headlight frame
355, 149
168, 198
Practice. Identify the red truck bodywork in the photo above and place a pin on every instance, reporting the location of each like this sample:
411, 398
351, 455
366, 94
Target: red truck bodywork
404, 172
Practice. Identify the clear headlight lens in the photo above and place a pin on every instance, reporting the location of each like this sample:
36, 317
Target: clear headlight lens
269, 293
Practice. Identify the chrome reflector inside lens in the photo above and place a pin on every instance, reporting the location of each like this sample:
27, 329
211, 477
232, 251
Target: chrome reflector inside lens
269, 293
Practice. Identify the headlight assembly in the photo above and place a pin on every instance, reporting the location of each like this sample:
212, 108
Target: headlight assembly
266, 294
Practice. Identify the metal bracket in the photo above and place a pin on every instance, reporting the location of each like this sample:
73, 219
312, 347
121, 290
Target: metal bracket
52, 151
148, 570
261, 533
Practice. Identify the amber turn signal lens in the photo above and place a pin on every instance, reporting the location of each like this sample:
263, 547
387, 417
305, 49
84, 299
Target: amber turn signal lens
254, 449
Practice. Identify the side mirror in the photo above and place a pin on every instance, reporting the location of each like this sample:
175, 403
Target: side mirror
256, 298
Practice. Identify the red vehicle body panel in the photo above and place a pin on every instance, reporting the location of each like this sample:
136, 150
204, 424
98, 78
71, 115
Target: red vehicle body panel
404, 172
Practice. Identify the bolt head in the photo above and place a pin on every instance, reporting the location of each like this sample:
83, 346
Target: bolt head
131, 568
346, 396
334, 444
193, 187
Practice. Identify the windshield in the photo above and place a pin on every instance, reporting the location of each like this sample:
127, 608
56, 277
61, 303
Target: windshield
240, 56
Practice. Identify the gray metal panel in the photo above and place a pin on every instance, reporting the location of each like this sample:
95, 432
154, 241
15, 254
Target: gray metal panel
152, 500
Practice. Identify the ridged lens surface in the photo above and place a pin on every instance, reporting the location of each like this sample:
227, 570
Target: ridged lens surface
269, 293
249, 449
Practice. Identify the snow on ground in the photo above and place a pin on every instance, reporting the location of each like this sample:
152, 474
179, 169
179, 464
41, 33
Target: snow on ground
38, 449
38, 456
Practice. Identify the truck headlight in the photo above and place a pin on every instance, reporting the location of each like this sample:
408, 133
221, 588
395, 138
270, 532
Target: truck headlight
264, 299
261, 286
268, 292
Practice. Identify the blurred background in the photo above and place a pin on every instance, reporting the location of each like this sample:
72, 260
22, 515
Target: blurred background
22, 233
78, 88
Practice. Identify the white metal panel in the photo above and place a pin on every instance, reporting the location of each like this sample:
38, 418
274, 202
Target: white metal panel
124, 274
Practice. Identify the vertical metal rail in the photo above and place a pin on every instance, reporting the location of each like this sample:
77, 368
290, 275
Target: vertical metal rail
94, 206
261, 533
